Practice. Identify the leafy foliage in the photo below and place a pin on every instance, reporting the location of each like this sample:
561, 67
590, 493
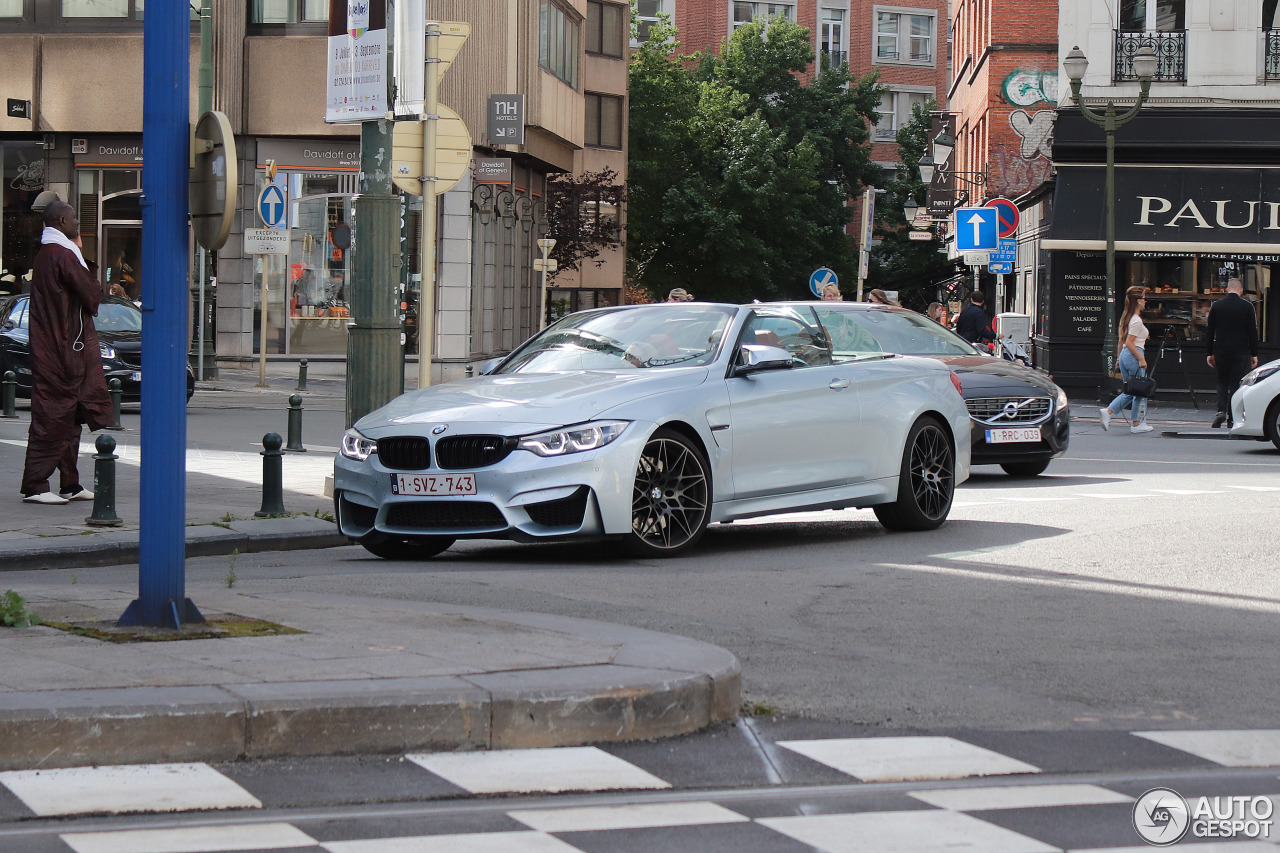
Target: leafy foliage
14, 612
898, 262
582, 215
738, 171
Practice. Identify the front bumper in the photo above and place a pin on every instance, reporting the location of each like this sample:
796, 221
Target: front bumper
524, 497
1055, 437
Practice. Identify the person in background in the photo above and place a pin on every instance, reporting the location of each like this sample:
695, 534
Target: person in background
831, 293
937, 312
879, 297
67, 385
1231, 345
679, 294
973, 324
1133, 361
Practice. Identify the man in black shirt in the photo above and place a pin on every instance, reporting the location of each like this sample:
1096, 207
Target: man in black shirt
1231, 343
972, 324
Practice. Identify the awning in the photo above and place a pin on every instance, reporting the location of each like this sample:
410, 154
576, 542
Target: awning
1223, 209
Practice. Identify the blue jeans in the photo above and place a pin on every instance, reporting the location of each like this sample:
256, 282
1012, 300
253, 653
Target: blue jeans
1128, 369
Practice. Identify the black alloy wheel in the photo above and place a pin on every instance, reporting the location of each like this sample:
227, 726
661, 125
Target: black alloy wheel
926, 482
1025, 469
1271, 426
671, 496
406, 547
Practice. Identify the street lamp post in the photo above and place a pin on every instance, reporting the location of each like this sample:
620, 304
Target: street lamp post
1145, 64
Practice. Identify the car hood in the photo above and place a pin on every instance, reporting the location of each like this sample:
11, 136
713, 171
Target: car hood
518, 403
981, 375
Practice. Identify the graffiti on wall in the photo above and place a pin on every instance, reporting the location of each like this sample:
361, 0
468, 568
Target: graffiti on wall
1015, 172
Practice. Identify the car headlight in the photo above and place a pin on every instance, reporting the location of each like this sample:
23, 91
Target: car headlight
1261, 373
1062, 400
356, 446
574, 439
107, 352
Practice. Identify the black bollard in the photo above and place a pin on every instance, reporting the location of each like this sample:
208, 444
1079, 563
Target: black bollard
8, 391
302, 375
104, 484
272, 477
295, 425
113, 387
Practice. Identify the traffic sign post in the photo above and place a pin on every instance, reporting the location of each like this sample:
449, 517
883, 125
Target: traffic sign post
820, 278
976, 228
272, 206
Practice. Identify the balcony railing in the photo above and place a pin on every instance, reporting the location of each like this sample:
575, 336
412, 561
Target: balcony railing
1170, 48
1271, 54
836, 58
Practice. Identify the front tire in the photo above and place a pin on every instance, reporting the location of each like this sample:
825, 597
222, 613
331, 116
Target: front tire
407, 547
1271, 426
926, 481
1025, 469
670, 496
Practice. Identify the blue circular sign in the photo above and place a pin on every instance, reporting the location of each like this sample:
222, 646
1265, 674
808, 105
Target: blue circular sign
271, 206
820, 278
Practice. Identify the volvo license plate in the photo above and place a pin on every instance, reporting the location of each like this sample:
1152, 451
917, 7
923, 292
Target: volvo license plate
433, 485
136, 376
1013, 435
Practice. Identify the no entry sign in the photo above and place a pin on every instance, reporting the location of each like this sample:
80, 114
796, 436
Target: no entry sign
1007, 216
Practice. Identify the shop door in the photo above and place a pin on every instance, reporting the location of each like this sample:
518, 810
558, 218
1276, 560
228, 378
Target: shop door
122, 259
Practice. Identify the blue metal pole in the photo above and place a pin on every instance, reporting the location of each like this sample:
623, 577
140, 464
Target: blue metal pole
162, 600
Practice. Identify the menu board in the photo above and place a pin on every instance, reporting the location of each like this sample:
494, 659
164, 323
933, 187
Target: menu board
1079, 291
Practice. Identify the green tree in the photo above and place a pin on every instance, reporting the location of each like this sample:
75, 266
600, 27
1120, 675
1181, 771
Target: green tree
738, 171
899, 263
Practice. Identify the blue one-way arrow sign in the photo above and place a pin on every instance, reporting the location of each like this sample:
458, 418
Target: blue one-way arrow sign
271, 206
977, 228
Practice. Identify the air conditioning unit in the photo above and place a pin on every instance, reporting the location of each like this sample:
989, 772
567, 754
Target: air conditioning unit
1016, 326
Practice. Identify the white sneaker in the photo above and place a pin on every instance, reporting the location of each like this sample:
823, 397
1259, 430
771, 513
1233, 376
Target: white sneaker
1142, 427
44, 498
1104, 415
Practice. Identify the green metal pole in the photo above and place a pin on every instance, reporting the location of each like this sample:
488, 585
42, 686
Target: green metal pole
1109, 354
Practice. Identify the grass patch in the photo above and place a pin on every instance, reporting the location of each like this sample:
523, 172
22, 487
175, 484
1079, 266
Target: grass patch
14, 612
218, 627
759, 709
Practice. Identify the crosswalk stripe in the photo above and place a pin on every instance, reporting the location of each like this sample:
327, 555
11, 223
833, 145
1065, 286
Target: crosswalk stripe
574, 768
1032, 796
643, 816
126, 788
1250, 748
480, 842
205, 839
893, 759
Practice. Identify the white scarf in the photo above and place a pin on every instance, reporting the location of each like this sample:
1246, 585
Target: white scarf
53, 235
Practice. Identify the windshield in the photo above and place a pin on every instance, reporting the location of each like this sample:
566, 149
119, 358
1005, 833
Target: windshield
901, 332
118, 317
632, 338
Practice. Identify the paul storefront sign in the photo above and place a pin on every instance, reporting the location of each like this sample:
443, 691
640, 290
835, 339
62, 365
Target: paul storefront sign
1166, 209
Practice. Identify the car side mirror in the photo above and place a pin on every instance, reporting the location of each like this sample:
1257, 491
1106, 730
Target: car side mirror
753, 358
8, 325
487, 367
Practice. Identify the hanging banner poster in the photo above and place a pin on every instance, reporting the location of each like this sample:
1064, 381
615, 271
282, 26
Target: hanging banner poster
356, 88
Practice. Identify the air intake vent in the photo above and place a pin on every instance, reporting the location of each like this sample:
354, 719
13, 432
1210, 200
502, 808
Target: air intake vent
445, 515
565, 512
405, 453
471, 451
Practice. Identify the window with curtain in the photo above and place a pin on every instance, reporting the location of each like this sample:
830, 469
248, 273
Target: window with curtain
558, 42
745, 12
904, 37
606, 24
604, 121
895, 111
832, 39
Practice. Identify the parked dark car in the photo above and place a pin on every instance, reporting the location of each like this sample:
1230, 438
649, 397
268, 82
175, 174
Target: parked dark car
119, 325
1021, 420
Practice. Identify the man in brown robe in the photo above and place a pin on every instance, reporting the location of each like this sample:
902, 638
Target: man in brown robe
67, 385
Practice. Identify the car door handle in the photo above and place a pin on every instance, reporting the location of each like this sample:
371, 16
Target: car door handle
838, 384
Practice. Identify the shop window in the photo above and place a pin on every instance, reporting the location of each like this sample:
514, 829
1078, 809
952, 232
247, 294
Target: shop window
604, 121
558, 42
288, 11
606, 23
1183, 289
904, 36
23, 175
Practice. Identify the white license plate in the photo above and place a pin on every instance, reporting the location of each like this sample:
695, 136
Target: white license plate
1013, 435
136, 376
432, 485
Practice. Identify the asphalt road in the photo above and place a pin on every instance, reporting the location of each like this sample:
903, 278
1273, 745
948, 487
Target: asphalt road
1133, 586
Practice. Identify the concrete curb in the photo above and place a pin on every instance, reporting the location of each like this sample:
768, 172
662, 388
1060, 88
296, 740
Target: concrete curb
114, 548
658, 685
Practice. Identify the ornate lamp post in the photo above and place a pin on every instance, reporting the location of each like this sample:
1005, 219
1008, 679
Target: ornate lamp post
1145, 64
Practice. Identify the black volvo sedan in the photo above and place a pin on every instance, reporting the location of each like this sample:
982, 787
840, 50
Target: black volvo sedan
119, 325
1021, 420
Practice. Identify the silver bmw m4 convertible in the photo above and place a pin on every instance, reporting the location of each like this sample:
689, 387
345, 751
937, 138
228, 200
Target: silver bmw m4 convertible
645, 423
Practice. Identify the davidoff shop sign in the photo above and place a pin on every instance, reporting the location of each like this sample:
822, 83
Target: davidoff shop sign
1164, 209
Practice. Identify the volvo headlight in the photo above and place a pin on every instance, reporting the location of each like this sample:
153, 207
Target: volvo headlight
574, 439
1062, 400
106, 351
1261, 373
356, 446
